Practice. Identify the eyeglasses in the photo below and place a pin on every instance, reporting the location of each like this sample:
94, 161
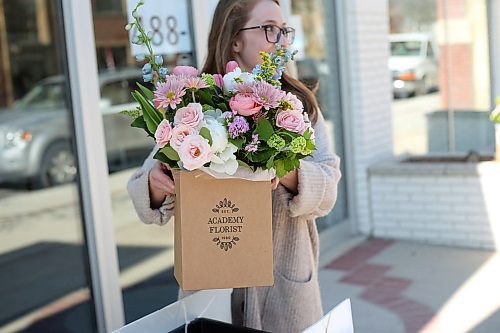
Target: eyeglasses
274, 33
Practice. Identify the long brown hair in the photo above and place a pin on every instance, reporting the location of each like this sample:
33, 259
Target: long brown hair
229, 17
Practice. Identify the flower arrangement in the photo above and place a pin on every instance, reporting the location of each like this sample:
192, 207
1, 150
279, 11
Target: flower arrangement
221, 122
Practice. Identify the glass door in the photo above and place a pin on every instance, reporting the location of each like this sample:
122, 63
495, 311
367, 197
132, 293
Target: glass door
44, 271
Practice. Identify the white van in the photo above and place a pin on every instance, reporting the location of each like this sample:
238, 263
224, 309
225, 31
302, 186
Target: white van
414, 64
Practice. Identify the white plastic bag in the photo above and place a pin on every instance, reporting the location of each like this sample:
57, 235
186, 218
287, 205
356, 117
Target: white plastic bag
338, 320
214, 304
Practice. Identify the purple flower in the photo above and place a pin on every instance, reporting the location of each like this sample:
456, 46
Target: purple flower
238, 126
254, 145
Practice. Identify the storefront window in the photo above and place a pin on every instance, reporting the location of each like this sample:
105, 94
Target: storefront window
439, 63
317, 65
45, 284
145, 252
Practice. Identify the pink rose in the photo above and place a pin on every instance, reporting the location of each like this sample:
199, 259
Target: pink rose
185, 71
219, 81
244, 104
231, 66
194, 152
291, 120
179, 133
190, 115
163, 133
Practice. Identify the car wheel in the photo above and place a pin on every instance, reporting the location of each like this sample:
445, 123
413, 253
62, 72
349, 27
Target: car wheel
58, 166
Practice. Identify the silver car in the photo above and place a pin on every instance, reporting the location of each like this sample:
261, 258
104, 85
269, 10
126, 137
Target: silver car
413, 64
35, 136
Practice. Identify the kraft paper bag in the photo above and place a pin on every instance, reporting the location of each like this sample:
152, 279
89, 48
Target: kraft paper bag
223, 232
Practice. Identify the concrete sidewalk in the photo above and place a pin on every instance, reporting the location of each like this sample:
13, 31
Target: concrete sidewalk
400, 286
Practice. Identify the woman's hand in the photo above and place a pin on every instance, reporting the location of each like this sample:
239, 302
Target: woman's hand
291, 182
161, 184
274, 183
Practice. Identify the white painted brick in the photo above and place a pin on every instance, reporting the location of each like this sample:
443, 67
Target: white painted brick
477, 218
426, 234
399, 233
469, 209
425, 216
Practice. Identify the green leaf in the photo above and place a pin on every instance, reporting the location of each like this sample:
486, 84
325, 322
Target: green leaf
296, 162
170, 153
148, 93
264, 129
263, 155
270, 162
280, 168
223, 107
151, 116
307, 134
161, 157
310, 145
205, 132
139, 122
289, 165
205, 97
238, 142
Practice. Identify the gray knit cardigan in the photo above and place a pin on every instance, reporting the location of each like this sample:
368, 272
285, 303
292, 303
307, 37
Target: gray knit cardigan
294, 302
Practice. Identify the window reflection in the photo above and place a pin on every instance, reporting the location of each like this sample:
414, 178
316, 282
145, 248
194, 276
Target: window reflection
43, 264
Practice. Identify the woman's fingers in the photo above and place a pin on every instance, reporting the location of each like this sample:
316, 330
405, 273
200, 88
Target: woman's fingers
274, 183
160, 181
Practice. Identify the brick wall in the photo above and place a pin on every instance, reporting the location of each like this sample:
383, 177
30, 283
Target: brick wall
369, 98
440, 204
456, 80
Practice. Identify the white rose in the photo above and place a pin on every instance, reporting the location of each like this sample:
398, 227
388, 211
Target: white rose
218, 133
225, 161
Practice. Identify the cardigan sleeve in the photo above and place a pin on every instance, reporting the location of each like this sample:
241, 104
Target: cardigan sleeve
138, 189
318, 177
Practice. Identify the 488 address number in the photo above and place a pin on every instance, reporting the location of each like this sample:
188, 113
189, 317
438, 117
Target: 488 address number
163, 30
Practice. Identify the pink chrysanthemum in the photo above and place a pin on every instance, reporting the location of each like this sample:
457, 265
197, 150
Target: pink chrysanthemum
267, 95
169, 93
245, 88
293, 101
195, 83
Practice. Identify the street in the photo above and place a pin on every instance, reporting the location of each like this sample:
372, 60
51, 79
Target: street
409, 125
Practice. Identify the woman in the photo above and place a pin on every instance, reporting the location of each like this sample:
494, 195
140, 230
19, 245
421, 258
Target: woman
240, 29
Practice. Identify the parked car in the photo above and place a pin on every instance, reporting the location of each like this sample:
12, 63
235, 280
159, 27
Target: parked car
35, 135
414, 64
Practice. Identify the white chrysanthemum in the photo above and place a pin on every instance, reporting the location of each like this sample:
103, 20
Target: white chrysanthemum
232, 79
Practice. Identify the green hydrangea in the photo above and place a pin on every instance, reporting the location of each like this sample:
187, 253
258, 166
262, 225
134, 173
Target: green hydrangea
276, 142
208, 79
298, 145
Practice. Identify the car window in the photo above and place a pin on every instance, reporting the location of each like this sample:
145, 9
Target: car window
117, 92
45, 96
405, 48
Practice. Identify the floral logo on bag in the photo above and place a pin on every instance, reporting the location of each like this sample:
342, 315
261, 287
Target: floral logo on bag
224, 206
225, 224
226, 245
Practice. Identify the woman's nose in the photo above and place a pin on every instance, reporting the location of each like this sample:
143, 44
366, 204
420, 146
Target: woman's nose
283, 41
